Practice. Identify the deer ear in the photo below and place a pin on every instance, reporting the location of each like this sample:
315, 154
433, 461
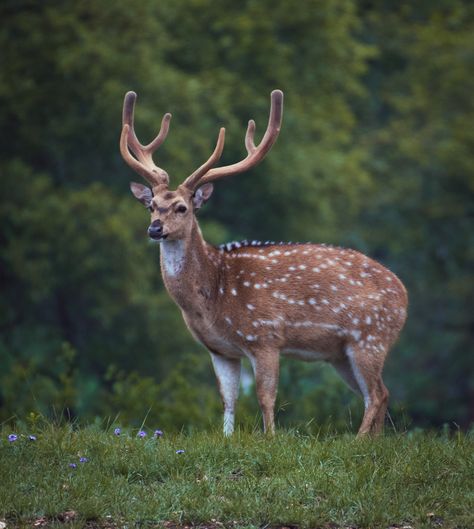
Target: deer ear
142, 193
202, 195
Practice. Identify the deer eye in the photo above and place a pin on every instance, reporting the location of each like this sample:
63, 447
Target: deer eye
181, 209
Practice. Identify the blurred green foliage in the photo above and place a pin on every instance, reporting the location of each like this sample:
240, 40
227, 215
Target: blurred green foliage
376, 153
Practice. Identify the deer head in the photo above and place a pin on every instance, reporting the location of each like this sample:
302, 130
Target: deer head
172, 212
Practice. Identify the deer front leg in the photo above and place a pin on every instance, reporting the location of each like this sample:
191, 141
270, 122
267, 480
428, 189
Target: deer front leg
227, 371
266, 369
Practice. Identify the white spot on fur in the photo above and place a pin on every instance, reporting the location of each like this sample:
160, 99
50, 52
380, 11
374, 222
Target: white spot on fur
228, 320
268, 323
250, 306
298, 324
234, 292
279, 295
355, 334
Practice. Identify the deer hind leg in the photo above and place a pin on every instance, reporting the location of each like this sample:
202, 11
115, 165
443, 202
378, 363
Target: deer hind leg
367, 372
380, 418
266, 370
227, 371
343, 367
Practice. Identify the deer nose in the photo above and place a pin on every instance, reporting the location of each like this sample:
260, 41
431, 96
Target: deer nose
155, 230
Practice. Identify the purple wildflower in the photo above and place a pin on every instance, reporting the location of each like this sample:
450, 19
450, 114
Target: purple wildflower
83, 460
117, 431
180, 451
12, 437
72, 465
32, 437
141, 433
158, 433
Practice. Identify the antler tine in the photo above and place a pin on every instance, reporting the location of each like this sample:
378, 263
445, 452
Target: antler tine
143, 163
255, 154
249, 137
131, 161
193, 179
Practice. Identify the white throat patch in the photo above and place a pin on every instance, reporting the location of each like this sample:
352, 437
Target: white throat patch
172, 253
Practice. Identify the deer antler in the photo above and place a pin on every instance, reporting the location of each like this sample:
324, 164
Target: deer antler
142, 163
255, 154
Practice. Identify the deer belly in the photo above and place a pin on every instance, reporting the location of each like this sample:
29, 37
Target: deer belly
304, 354
224, 346
322, 343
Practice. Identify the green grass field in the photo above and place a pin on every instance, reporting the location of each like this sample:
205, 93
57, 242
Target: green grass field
412, 480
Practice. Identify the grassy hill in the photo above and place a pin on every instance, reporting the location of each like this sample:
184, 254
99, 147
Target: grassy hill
93, 477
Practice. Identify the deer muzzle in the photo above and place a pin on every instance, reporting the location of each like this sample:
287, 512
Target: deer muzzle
155, 230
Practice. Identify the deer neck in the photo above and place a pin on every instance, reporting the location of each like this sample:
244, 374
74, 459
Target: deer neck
190, 271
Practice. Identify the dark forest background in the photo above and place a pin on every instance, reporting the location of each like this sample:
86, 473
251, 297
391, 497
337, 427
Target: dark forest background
376, 153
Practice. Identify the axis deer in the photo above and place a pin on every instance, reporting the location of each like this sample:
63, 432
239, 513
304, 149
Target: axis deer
263, 300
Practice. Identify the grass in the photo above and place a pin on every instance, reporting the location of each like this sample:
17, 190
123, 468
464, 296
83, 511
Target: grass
418, 480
